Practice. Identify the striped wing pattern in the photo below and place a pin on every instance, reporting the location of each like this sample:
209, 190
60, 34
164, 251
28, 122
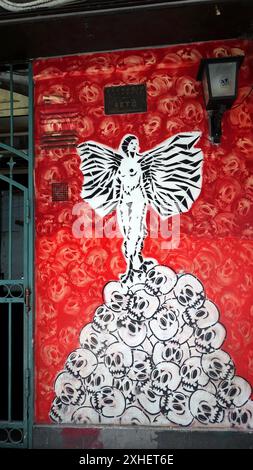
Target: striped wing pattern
99, 165
172, 174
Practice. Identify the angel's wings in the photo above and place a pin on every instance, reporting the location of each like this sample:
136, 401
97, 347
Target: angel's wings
99, 165
172, 174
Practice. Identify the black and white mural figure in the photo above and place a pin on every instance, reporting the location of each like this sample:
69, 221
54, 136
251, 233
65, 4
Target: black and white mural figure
153, 352
153, 355
168, 177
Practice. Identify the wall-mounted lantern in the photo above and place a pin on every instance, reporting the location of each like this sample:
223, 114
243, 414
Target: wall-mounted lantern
219, 79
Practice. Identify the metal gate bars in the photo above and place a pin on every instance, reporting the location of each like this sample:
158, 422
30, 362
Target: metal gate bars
16, 254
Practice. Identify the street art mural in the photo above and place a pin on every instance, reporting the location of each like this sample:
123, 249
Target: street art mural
153, 355
168, 177
143, 318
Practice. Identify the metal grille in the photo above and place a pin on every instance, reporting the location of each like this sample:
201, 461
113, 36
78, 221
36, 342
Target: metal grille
13, 436
16, 252
60, 192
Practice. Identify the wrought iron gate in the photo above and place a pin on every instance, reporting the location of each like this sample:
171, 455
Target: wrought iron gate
16, 254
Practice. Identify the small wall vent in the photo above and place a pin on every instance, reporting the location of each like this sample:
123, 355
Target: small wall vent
60, 192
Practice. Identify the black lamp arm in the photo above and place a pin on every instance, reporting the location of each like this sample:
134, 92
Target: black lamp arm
215, 119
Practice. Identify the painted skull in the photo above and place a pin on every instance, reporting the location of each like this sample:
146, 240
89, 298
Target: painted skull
99, 378
170, 351
165, 377
209, 339
131, 332
189, 291
160, 280
142, 305
165, 324
127, 387
61, 413
96, 342
233, 393
69, 389
175, 407
205, 407
81, 363
218, 365
141, 368
85, 415
242, 417
109, 402
104, 319
205, 316
192, 374
115, 297
118, 359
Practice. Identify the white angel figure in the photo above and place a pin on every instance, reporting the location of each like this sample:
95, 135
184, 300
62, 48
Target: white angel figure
168, 177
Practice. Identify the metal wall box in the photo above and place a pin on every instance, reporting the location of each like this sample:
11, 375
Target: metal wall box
125, 99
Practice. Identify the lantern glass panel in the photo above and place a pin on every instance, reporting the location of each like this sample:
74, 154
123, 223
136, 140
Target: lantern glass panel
222, 79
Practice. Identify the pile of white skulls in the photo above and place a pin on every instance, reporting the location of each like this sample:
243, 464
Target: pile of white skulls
152, 355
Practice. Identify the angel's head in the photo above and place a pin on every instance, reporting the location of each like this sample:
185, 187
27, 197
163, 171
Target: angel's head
130, 145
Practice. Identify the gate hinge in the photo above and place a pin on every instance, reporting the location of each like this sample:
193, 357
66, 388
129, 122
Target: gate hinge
27, 382
27, 211
27, 299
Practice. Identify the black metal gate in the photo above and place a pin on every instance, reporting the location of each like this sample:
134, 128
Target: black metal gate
16, 254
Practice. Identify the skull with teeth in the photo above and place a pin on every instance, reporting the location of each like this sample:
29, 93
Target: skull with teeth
81, 363
100, 378
170, 351
233, 393
142, 305
165, 325
205, 407
104, 319
165, 377
109, 402
189, 291
160, 280
209, 339
127, 387
175, 407
218, 365
193, 377
242, 417
94, 341
141, 368
133, 333
118, 359
115, 297
69, 389
205, 316
61, 413
85, 415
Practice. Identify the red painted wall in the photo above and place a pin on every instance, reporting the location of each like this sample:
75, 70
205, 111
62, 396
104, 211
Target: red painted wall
216, 240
